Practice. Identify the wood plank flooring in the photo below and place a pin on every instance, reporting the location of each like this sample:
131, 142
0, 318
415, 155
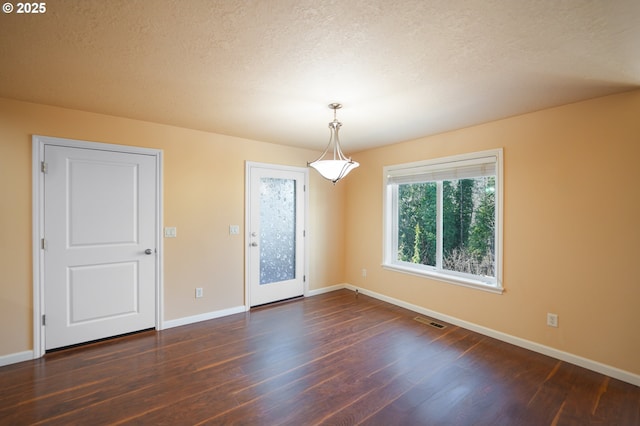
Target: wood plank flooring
333, 359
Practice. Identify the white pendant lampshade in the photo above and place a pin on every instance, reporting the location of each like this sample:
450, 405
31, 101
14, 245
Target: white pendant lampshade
337, 166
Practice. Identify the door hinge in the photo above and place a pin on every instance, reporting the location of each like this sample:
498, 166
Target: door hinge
44, 319
43, 244
304, 233
304, 278
44, 167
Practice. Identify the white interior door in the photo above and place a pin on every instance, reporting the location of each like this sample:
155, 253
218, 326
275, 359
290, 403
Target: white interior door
100, 244
276, 232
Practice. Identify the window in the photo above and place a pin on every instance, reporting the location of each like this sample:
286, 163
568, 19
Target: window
443, 219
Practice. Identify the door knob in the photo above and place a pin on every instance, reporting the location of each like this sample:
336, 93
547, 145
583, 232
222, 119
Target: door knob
254, 244
148, 251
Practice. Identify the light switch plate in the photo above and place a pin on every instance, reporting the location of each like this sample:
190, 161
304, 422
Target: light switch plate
170, 232
234, 229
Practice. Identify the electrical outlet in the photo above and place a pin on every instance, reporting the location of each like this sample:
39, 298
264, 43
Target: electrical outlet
552, 320
199, 293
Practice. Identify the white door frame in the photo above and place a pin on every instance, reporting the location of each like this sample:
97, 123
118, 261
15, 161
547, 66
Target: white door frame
247, 223
38, 145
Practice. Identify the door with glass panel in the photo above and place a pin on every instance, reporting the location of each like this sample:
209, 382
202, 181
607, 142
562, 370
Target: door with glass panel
275, 232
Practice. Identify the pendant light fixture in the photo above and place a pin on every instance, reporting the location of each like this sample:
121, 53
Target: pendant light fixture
339, 166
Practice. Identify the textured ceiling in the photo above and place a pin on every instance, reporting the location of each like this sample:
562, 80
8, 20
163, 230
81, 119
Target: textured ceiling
266, 70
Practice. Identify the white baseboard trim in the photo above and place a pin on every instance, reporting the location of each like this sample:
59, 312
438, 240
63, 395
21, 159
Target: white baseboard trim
15, 358
598, 367
238, 309
323, 290
28, 355
203, 317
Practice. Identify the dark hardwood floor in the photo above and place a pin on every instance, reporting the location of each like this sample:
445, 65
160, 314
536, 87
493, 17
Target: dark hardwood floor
333, 359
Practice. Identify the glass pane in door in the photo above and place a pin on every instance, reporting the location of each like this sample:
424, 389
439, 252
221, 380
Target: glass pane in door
277, 230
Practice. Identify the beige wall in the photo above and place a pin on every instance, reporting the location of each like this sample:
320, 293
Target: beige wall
571, 228
571, 232
203, 195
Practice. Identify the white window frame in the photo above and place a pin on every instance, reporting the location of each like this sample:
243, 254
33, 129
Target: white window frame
399, 172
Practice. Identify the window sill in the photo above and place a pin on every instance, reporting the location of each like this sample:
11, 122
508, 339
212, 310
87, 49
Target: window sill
451, 279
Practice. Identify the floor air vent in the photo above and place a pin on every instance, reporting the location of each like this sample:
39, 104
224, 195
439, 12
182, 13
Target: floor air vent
430, 322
